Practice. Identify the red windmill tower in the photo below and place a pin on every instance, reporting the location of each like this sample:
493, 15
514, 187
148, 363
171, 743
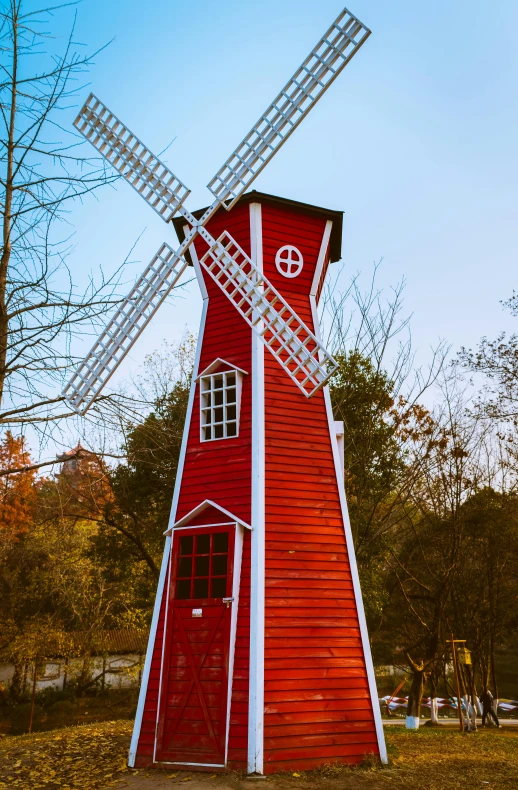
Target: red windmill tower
258, 655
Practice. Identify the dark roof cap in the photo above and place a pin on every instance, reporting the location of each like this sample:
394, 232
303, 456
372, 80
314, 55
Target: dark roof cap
335, 249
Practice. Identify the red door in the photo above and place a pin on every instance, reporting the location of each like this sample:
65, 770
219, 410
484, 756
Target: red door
193, 707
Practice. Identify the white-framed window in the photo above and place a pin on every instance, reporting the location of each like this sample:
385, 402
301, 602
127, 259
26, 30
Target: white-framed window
219, 405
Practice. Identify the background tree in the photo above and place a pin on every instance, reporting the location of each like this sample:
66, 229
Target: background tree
17, 492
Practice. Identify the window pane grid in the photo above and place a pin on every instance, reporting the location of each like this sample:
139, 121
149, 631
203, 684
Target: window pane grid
219, 406
202, 566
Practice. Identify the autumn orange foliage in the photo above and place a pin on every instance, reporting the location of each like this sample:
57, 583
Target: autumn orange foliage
17, 491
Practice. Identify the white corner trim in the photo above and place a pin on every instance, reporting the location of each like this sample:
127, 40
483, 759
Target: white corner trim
188, 417
257, 585
339, 433
166, 616
178, 482
188, 529
352, 564
321, 258
236, 583
149, 656
184, 521
197, 267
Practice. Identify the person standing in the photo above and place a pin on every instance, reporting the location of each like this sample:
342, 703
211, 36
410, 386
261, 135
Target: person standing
487, 708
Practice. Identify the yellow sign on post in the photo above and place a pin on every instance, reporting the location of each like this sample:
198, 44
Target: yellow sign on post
464, 655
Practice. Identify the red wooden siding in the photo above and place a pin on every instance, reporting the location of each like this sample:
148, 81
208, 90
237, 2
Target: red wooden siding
317, 702
211, 515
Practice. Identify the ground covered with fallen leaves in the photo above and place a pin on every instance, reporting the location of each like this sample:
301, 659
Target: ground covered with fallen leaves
87, 757
93, 757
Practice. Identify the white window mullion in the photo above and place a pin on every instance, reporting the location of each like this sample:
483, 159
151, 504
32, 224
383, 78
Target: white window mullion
214, 415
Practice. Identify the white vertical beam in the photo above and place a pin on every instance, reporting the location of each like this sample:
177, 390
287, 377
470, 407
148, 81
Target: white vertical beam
339, 434
321, 260
236, 583
256, 688
183, 449
149, 655
369, 666
181, 464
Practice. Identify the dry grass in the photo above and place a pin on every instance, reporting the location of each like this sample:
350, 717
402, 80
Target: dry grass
93, 757
442, 759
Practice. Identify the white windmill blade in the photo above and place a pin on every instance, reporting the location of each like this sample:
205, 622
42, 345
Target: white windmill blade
294, 346
322, 66
164, 192
130, 320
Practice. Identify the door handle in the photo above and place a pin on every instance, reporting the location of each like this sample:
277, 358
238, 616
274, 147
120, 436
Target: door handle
228, 601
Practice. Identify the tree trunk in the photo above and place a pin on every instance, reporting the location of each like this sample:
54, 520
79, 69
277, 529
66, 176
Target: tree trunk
24, 681
8, 207
415, 697
15, 689
33, 695
493, 678
84, 679
434, 708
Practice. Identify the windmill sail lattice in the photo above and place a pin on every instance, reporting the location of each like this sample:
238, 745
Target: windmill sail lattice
294, 346
322, 66
286, 336
131, 318
164, 192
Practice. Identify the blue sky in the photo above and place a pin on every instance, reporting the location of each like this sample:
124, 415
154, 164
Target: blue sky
416, 141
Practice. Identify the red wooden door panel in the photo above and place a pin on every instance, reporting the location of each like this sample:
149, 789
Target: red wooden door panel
193, 708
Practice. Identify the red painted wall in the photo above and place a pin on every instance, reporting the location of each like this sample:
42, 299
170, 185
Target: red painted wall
317, 701
211, 472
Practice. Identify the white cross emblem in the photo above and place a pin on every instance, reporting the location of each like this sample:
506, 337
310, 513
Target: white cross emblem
289, 261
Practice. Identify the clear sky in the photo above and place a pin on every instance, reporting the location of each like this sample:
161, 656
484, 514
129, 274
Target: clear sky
416, 141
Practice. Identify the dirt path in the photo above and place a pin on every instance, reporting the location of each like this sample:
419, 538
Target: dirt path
350, 779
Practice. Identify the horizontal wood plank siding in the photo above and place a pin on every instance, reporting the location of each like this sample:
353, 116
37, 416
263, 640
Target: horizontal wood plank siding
317, 703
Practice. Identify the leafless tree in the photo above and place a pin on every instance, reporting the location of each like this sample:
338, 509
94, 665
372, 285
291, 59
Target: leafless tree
372, 321
43, 172
368, 332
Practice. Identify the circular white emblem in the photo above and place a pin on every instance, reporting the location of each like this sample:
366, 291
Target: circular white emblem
289, 261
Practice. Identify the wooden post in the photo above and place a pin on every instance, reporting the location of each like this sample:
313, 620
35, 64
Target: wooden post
33, 692
456, 669
394, 694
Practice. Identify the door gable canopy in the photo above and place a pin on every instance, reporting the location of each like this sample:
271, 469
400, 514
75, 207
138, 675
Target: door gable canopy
220, 364
207, 512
